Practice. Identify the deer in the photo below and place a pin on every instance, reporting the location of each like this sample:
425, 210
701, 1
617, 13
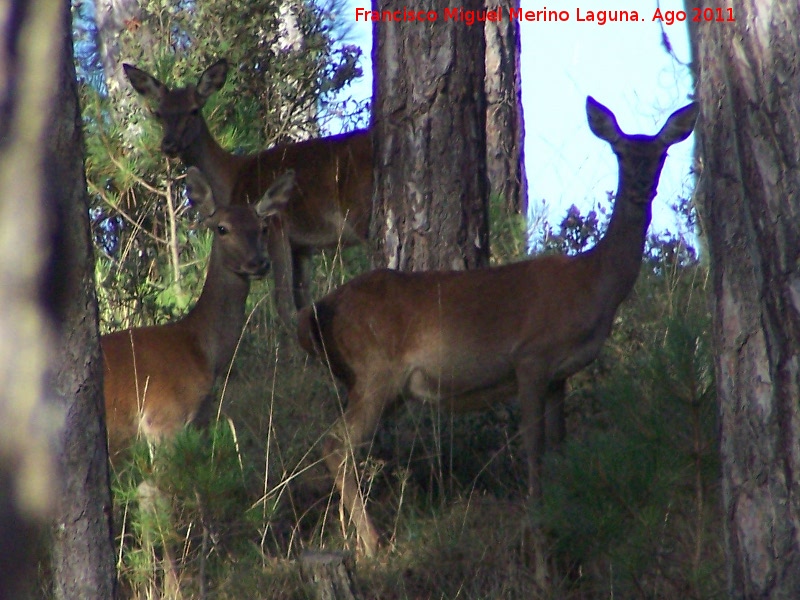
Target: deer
331, 204
158, 379
469, 339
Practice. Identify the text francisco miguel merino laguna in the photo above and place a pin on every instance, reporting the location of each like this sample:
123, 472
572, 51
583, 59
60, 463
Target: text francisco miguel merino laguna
469, 17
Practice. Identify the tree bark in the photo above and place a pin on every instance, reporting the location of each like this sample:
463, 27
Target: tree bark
112, 17
505, 125
329, 575
83, 556
749, 196
430, 141
27, 468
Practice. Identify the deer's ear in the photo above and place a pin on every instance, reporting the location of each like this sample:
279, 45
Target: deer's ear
602, 121
144, 83
680, 124
199, 192
277, 196
212, 80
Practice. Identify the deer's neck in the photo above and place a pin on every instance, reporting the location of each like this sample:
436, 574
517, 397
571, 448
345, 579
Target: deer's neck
218, 317
220, 167
617, 257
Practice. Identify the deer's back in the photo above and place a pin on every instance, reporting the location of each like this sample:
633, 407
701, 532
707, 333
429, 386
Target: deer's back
332, 197
458, 330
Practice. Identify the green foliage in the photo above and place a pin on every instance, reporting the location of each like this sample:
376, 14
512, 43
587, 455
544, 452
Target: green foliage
508, 232
191, 495
333, 268
630, 502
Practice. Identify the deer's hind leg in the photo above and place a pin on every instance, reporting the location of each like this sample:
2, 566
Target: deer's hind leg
555, 419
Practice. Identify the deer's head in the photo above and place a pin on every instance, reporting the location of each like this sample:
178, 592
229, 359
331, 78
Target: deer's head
641, 157
178, 110
239, 231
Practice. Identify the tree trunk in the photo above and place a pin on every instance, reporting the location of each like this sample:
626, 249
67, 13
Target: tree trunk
112, 17
329, 575
505, 126
83, 556
27, 468
749, 196
430, 141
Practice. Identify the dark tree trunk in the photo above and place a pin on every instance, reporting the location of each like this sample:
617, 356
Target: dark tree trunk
430, 141
83, 556
505, 126
749, 196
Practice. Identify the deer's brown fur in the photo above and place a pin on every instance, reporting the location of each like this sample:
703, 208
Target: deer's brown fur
159, 378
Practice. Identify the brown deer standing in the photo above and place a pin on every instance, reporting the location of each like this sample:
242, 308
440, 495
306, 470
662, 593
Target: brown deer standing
471, 338
332, 201
157, 379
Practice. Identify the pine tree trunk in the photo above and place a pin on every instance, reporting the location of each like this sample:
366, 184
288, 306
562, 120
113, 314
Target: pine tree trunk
749, 195
430, 141
505, 126
112, 18
83, 556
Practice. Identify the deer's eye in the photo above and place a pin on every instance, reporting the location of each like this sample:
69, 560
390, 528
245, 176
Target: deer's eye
194, 112
222, 230
156, 113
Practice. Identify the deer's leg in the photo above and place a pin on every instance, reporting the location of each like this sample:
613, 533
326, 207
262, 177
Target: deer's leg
533, 394
555, 421
354, 428
301, 275
280, 254
532, 390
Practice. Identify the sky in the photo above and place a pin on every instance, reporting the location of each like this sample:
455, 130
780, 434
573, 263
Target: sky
623, 65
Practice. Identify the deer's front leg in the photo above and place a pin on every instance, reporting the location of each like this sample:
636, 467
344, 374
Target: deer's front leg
280, 254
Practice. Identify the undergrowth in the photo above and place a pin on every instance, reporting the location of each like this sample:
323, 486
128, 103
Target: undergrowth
631, 502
